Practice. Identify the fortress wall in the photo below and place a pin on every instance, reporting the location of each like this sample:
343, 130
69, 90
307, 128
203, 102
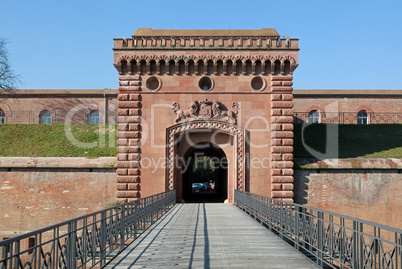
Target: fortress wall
36, 194
372, 194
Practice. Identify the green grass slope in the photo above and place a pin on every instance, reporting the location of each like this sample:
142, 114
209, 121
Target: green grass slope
58, 140
92, 141
368, 141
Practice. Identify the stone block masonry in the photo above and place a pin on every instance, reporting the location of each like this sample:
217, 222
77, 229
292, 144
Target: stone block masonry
129, 138
282, 137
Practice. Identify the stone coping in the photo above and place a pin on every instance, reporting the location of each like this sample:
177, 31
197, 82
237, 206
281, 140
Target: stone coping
57, 162
111, 162
351, 163
149, 32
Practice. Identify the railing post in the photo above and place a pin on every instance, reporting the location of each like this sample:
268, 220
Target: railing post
17, 255
71, 246
355, 246
320, 238
122, 226
297, 227
103, 239
280, 219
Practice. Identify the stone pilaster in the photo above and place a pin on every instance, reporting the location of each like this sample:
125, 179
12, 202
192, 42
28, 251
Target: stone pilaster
282, 138
129, 138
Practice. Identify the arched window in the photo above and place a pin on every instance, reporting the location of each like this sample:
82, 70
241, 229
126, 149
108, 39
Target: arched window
191, 67
182, 67
219, 68
200, 67
143, 67
239, 67
124, 67
229, 67
249, 67
257, 67
313, 116
172, 67
152, 66
2, 117
277, 68
287, 67
46, 117
362, 117
210, 67
133, 67
94, 117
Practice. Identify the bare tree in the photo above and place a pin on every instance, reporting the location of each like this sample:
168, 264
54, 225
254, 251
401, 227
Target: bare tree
8, 79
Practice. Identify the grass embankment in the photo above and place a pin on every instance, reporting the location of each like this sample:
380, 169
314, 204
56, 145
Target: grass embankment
368, 141
36, 140
58, 140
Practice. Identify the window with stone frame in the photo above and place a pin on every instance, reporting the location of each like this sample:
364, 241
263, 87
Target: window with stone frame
313, 116
94, 117
46, 117
2, 117
362, 117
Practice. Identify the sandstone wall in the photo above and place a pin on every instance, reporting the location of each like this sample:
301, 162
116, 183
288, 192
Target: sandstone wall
369, 193
36, 194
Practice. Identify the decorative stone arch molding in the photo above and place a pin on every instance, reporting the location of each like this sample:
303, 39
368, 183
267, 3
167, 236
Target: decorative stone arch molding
237, 132
365, 108
315, 107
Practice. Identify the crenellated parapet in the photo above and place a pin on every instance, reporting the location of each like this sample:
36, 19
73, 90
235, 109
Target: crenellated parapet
199, 52
263, 39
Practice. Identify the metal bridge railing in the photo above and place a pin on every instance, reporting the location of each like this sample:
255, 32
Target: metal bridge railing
332, 240
88, 241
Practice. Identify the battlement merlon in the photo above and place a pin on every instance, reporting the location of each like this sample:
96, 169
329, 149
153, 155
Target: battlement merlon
160, 39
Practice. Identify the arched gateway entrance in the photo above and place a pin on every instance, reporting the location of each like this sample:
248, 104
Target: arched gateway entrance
196, 147
204, 174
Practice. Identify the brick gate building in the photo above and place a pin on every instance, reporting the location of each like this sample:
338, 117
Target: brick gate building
221, 93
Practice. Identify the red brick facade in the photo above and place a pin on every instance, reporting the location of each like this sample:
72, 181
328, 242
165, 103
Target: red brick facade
29, 104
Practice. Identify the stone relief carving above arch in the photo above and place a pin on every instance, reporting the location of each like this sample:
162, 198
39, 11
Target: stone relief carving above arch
233, 130
206, 109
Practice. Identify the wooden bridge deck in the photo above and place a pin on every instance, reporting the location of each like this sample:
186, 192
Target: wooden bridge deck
209, 236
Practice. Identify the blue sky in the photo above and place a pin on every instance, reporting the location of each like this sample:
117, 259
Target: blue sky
56, 44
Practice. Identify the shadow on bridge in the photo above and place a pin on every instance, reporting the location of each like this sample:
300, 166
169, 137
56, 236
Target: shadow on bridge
208, 235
